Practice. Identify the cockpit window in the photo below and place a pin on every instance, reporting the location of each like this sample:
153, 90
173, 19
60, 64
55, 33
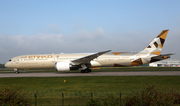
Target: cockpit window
9, 60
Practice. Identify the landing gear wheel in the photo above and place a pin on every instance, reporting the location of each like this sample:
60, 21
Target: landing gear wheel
89, 70
17, 72
86, 70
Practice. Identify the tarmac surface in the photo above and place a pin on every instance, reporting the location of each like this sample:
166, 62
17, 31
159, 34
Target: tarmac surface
69, 74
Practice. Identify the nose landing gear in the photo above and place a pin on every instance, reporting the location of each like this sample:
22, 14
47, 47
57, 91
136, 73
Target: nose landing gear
17, 72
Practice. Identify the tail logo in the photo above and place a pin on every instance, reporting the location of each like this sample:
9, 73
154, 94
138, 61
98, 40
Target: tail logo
156, 45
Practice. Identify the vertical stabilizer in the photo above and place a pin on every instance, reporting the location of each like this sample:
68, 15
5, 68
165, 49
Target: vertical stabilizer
156, 45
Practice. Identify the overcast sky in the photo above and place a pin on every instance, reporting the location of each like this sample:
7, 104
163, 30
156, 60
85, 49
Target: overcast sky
75, 26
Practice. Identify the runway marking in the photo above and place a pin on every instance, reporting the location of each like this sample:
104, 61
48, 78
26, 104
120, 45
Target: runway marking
63, 74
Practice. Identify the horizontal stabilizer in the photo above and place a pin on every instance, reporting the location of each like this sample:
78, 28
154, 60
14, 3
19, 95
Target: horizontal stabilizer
165, 56
160, 57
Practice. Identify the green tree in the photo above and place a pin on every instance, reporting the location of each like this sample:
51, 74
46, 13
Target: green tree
2, 65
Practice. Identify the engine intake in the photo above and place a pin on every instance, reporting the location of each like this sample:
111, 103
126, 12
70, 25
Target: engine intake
65, 66
62, 66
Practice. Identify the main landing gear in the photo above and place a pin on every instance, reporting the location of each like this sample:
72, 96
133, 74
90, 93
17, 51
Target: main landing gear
86, 70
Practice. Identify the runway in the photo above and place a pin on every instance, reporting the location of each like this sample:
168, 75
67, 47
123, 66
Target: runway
71, 74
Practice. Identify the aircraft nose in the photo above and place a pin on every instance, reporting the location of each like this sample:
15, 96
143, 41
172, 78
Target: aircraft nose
7, 65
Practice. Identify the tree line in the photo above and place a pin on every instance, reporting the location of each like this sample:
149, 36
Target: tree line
2, 66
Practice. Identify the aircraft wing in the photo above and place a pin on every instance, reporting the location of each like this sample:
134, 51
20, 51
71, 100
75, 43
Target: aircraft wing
88, 58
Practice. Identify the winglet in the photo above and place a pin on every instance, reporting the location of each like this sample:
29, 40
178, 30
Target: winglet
157, 43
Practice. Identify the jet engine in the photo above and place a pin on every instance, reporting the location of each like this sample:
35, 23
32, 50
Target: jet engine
65, 66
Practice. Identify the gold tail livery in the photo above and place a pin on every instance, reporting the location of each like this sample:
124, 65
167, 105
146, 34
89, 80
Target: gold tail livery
86, 61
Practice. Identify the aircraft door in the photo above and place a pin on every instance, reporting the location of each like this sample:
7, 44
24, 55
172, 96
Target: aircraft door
54, 58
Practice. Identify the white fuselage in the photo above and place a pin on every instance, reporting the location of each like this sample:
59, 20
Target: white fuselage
49, 60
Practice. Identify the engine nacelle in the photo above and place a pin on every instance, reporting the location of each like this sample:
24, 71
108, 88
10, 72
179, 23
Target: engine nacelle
62, 66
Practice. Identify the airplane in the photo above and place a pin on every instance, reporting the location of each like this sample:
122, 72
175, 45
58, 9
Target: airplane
86, 61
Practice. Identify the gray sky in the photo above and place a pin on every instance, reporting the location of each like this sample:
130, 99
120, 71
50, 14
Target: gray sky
41, 27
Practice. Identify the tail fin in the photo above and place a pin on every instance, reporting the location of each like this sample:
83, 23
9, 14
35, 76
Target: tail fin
156, 45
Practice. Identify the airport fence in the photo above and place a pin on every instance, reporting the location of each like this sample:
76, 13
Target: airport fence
71, 98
